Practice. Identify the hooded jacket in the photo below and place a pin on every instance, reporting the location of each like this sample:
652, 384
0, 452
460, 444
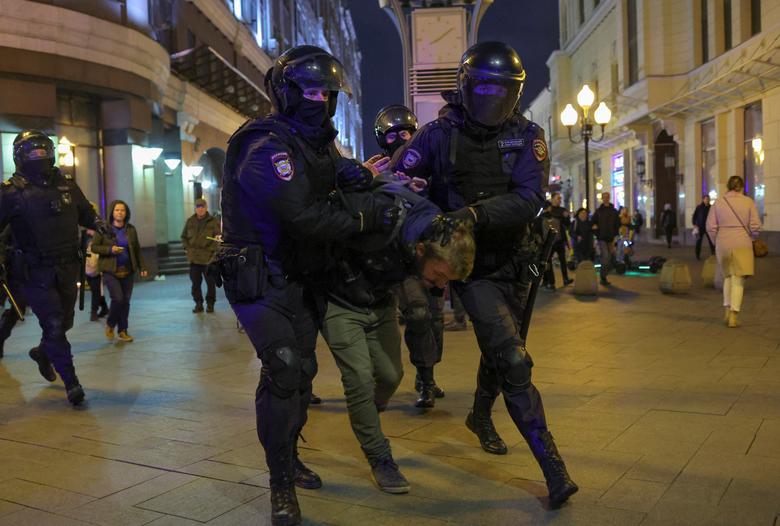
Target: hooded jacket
101, 244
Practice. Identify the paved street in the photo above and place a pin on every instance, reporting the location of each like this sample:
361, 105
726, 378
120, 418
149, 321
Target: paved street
663, 415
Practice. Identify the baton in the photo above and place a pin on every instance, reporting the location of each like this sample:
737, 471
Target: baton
538, 272
12, 300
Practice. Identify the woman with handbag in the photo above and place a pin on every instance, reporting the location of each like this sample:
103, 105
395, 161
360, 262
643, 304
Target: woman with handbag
120, 259
733, 223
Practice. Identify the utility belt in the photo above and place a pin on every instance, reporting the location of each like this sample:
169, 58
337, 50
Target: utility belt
245, 272
21, 260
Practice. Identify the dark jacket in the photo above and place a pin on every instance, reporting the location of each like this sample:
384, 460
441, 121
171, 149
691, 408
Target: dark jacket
668, 219
607, 222
700, 217
101, 244
558, 218
195, 238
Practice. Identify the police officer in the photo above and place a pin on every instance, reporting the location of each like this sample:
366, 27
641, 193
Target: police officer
279, 225
486, 162
45, 208
421, 307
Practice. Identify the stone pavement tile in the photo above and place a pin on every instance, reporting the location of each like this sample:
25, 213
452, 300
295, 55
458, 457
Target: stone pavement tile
221, 471
760, 400
761, 497
664, 431
659, 467
767, 439
9, 507
148, 489
598, 469
734, 435
262, 480
107, 513
171, 520
361, 515
202, 499
31, 517
251, 456
636, 495
162, 453
707, 403
40, 497
740, 360
258, 512
626, 401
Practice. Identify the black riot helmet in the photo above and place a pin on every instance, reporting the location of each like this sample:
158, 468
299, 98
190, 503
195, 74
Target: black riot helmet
301, 68
393, 118
490, 82
33, 149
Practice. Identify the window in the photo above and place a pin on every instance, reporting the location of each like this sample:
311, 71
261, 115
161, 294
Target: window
727, 23
705, 33
581, 11
754, 155
633, 44
709, 160
755, 17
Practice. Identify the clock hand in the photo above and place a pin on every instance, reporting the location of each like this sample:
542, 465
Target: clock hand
442, 36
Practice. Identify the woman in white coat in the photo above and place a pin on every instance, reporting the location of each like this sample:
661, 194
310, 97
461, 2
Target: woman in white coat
733, 223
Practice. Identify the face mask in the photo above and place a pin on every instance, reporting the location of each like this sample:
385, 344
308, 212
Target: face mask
392, 148
312, 112
40, 167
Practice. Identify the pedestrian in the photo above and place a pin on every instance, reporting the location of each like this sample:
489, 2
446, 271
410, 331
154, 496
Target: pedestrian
699, 221
606, 224
45, 209
361, 324
638, 221
582, 236
98, 306
557, 217
120, 259
733, 223
485, 162
279, 227
199, 238
422, 309
668, 223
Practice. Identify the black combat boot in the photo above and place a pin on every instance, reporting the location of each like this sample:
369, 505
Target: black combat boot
489, 438
304, 477
559, 485
44, 365
198, 308
284, 506
426, 388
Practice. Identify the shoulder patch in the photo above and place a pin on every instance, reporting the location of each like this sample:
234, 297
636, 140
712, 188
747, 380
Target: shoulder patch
283, 166
411, 158
540, 149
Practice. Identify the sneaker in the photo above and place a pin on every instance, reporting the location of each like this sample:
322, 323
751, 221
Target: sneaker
123, 336
109, 333
388, 477
44, 365
210, 307
456, 325
198, 308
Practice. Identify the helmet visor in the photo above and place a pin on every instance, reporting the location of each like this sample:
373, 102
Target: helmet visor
320, 71
490, 100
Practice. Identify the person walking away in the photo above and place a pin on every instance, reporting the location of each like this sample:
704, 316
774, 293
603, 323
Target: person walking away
732, 223
668, 223
699, 221
582, 236
98, 306
120, 259
199, 238
606, 223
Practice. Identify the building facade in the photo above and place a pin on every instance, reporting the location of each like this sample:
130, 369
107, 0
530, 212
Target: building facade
694, 87
141, 96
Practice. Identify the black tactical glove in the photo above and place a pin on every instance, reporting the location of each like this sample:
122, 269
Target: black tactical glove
214, 270
442, 227
466, 213
101, 227
380, 219
351, 176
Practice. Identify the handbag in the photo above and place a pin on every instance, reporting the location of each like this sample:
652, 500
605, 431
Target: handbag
760, 248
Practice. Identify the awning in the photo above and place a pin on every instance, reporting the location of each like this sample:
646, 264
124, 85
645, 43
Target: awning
208, 70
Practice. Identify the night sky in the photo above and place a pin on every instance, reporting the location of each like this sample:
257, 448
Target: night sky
532, 30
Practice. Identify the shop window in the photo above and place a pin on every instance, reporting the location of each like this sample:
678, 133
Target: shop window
709, 160
754, 155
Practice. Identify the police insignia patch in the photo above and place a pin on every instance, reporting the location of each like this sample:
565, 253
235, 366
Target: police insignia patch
283, 166
540, 149
411, 158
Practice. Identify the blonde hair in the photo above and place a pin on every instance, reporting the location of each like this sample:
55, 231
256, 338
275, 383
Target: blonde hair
459, 252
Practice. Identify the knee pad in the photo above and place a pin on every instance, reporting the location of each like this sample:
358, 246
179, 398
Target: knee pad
283, 371
418, 317
515, 367
54, 328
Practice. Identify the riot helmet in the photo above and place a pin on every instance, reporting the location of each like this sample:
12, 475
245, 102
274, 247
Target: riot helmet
301, 68
33, 152
490, 82
393, 118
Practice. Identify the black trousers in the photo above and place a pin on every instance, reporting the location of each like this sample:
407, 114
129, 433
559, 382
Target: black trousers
424, 314
699, 239
51, 292
282, 327
549, 275
97, 300
120, 290
668, 231
9, 317
197, 275
496, 310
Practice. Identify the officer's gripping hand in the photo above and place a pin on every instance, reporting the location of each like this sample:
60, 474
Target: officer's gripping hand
351, 176
465, 214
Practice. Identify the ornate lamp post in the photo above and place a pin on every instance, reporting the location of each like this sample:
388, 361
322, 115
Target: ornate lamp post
570, 117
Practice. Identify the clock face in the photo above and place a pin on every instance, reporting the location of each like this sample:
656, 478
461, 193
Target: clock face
439, 35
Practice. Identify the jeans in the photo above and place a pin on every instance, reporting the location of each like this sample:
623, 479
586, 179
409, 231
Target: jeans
197, 274
367, 349
605, 258
120, 290
699, 240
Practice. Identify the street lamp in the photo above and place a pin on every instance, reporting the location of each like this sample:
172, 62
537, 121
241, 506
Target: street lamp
570, 117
